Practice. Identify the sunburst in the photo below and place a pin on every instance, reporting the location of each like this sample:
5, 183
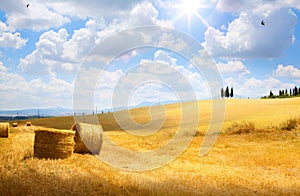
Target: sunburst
191, 8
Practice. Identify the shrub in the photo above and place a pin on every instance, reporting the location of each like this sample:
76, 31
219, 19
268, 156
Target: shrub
241, 128
289, 125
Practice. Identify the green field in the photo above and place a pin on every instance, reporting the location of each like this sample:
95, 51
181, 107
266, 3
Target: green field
263, 159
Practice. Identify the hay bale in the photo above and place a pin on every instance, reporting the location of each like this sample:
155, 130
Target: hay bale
53, 144
28, 124
4, 130
88, 138
14, 124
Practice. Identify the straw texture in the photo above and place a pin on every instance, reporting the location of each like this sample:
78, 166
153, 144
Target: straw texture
88, 138
4, 130
53, 144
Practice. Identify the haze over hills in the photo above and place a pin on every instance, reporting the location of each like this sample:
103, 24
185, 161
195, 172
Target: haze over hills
60, 111
37, 112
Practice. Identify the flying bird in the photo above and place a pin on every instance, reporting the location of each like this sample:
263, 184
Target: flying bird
27, 5
263, 23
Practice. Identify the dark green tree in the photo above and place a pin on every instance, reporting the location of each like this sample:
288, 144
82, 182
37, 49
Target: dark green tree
227, 92
222, 92
231, 92
296, 91
271, 94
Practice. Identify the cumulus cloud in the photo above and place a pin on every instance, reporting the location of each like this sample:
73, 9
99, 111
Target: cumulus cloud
288, 71
57, 52
10, 39
233, 67
169, 41
253, 87
104, 11
150, 81
18, 92
3, 27
38, 16
231, 5
86, 38
47, 57
246, 38
239, 5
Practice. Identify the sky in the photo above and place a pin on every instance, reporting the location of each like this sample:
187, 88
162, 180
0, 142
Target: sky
44, 46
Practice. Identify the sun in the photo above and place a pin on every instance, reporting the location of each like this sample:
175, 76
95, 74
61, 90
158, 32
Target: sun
191, 8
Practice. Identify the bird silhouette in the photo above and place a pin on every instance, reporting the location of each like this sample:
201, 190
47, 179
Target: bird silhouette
27, 5
263, 23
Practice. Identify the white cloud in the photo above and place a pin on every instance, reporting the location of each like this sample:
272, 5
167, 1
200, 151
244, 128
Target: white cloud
10, 39
95, 82
169, 41
150, 81
82, 41
55, 52
37, 16
17, 92
246, 38
161, 55
47, 57
253, 87
239, 5
231, 6
3, 27
288, 71
99, 10
3, 69
233, 67
143, 14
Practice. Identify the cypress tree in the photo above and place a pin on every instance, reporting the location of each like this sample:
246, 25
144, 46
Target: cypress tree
293, 92
222, 92
227, 92
296, 91
231, 92
271, 94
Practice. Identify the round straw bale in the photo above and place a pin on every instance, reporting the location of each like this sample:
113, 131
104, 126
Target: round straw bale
53, 144
28, 124
88, 138
4, 130
14, 124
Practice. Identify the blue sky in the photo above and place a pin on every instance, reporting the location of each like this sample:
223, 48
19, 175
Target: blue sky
42, 47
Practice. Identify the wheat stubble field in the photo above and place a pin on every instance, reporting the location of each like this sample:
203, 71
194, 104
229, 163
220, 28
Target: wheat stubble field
258, 153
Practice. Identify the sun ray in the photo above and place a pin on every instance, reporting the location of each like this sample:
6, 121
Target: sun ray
191, 8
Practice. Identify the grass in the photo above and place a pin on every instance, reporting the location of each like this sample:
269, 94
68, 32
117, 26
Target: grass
255, 155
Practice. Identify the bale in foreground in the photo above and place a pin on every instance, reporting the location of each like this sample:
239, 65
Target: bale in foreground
4, 130
53, 144
88, 138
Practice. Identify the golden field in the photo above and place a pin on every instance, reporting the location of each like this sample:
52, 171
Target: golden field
254, 155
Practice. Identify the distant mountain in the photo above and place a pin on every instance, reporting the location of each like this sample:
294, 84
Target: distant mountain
37, 112
143, 104
146, 103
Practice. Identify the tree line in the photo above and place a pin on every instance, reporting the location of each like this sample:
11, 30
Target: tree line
284, 93
227, 93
